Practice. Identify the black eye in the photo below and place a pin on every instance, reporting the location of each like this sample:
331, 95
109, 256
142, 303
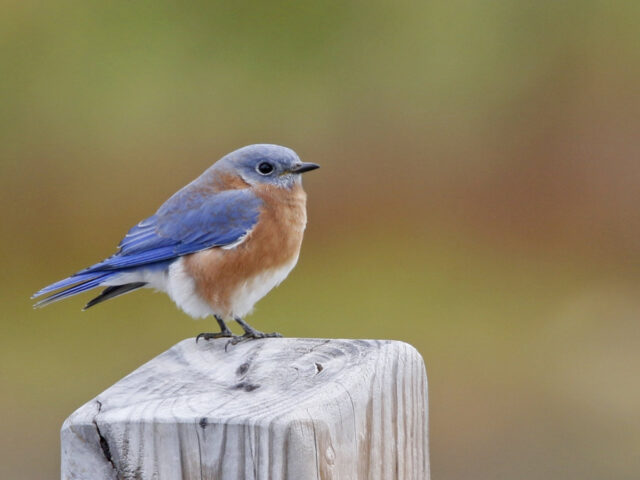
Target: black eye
265, 168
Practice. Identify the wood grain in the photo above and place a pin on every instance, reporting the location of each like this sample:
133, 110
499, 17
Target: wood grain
279, 408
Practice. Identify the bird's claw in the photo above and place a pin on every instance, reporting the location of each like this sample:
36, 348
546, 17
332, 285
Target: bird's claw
213, 336
252, 336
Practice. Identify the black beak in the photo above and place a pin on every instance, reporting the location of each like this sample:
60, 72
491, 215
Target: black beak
304, 167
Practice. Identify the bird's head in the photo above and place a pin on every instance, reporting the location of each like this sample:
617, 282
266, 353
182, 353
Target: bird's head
266, 164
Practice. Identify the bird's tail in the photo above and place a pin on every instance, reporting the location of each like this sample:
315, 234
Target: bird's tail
80, 282
104, 273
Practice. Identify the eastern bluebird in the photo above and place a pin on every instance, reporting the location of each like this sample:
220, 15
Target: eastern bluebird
217, 246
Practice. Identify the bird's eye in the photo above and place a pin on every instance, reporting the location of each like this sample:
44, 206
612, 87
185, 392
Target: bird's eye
265, 168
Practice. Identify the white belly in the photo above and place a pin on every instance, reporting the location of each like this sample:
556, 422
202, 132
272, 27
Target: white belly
175, 282
181, 287
249, 292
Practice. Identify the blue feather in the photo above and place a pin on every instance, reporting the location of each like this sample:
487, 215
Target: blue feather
67, 282
190, 221
88, 285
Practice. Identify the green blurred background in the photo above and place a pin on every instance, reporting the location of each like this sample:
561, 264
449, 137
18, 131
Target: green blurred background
479, 198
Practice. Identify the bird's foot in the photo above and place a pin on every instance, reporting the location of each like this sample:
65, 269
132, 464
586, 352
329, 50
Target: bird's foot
252, 335
213, 336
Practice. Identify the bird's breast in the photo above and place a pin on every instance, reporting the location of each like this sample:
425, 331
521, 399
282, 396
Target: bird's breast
232, 280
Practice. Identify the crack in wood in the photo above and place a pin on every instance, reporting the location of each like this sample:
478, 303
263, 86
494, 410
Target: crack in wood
104, 445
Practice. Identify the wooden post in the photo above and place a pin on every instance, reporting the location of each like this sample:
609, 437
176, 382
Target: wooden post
278, 408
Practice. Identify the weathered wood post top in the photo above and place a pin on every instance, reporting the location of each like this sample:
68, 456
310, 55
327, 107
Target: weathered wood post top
281, 408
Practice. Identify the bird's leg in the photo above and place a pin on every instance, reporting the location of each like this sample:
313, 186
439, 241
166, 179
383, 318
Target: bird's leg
224, 331
250, 333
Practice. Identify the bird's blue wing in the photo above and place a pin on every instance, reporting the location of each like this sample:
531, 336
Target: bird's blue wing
187, 223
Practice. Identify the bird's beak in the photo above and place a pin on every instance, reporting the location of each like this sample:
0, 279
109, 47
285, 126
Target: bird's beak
304, 167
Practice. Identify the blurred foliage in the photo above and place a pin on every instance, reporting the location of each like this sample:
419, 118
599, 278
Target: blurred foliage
478, 199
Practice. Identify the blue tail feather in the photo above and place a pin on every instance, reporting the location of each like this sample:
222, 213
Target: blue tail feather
74, 289
92, 277
68, 282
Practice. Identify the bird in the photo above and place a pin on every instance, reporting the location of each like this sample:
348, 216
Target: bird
216, 247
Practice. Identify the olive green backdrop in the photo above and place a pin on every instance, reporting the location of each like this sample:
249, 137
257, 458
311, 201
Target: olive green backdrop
479, 198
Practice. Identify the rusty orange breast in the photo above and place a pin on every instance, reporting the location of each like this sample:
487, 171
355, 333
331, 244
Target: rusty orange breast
273, 245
